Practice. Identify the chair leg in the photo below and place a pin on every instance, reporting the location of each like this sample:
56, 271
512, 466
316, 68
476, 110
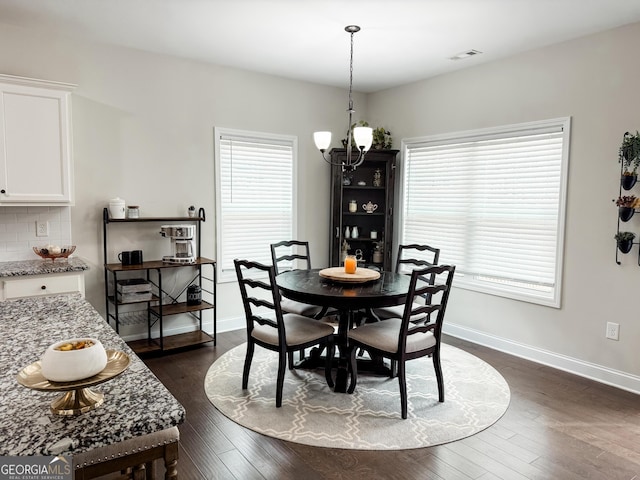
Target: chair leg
282, 366
247, 364
353, 369
331, 348
402, 382
290, 356
438, 368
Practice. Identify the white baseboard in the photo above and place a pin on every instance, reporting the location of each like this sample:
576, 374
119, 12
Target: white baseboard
226, 325
599, 373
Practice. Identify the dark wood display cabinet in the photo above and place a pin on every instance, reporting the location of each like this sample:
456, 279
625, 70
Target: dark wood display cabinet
363, 200
159, 303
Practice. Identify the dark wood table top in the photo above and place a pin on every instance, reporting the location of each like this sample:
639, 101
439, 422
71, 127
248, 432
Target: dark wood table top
309, 287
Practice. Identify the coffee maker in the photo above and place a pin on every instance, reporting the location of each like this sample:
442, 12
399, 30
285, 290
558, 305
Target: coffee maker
183, 243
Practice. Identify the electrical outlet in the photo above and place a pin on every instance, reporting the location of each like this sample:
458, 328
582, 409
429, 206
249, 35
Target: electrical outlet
613, 330
42, 229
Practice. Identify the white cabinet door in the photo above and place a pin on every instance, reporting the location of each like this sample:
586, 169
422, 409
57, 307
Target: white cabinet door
35, 142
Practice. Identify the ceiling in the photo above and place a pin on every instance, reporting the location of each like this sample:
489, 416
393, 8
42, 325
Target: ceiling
401, 41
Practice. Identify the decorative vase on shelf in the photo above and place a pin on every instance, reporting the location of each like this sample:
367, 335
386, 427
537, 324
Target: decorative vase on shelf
377, 178
377, 253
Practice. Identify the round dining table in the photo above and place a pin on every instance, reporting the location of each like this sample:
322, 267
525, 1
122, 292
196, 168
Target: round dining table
308, 286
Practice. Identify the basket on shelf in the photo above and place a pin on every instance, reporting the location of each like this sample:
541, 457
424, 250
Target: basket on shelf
48, 252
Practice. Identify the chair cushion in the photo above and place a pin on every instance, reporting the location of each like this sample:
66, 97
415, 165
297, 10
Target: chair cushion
291, 306
384, 336
300, 330
397, 311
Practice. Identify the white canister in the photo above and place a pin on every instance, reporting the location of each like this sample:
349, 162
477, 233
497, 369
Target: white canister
116, 208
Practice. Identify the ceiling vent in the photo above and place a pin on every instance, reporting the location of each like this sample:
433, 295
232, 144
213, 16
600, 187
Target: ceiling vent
467, 54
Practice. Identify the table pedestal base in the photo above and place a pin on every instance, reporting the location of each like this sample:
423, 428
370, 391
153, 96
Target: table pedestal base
315, 359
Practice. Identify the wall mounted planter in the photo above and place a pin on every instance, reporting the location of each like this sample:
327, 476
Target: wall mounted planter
629, 159
625, 245
625, 213
628, 181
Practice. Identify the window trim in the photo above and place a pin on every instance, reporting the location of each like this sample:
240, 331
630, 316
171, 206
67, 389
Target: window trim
553, 300
230, 276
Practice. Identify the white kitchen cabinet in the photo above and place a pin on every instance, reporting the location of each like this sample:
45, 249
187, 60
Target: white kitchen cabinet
36, 166
38, 285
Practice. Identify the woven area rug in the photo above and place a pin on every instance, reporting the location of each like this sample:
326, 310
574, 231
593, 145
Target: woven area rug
476, 396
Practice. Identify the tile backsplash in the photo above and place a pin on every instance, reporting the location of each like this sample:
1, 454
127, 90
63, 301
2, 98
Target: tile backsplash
18, 230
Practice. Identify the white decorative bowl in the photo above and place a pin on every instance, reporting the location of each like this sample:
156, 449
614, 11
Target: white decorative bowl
72, 365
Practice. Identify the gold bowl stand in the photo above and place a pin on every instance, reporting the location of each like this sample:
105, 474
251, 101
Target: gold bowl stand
78, 397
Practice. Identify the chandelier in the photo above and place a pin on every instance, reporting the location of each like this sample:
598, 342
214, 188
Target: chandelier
362, 136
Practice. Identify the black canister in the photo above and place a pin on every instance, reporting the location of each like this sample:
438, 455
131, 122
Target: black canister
194, 295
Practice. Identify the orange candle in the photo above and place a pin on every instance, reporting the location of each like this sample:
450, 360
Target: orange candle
350, 264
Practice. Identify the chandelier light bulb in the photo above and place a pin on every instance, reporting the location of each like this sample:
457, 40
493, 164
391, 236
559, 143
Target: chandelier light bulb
363, 137
322, 140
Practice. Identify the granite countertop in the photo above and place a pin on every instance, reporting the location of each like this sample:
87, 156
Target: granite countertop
136, 402
40, 267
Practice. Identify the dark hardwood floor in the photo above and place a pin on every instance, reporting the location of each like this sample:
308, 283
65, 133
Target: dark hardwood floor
558, 426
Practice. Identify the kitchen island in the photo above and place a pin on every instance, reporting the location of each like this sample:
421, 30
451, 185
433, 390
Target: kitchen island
136, 408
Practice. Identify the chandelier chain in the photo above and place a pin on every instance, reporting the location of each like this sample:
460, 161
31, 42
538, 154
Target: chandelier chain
351, 76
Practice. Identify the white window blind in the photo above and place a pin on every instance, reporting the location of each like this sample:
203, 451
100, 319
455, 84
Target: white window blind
493, 202
254, 195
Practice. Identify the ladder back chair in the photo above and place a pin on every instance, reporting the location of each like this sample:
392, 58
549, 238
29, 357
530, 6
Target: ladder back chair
286, 254
406, 262
401, 340
270, 328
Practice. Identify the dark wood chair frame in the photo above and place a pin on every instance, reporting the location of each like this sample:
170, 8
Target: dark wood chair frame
303, 246
292, 257
284, 351
414, 263
422, 283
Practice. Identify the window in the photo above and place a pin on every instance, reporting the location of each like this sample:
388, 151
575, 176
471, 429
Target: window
493, 201
255, 193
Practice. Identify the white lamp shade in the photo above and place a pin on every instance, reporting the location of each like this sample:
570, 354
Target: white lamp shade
363, 137
322, 140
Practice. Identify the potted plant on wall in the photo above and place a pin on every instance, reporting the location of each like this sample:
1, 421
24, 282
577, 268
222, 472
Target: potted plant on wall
626, 206
625, 241
629, 156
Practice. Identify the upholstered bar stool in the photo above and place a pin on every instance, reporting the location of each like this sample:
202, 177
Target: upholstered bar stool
133, 457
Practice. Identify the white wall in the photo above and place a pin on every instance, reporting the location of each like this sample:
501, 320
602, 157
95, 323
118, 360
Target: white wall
595, 81
143, 130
